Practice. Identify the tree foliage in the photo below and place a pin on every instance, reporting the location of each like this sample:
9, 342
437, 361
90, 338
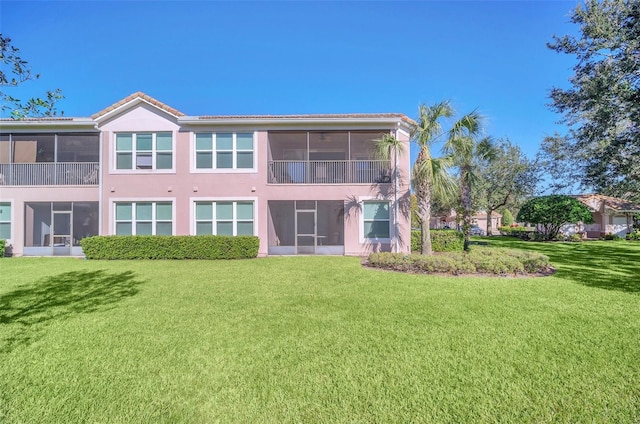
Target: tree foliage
602, 106
552, 212
506, 180
557, 166
18, 72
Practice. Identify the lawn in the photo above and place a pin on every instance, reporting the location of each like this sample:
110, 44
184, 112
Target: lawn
320, 339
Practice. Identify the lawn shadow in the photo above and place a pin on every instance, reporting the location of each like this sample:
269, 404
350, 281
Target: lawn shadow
605, 265
25, 311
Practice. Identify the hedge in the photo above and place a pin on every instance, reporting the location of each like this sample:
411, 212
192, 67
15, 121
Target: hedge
441, 240
2, 247
480, 260
170, 247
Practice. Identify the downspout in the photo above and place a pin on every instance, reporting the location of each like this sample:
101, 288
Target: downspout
101, 170
395, 194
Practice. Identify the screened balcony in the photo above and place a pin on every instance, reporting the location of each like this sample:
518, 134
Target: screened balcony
330, 157
49, 159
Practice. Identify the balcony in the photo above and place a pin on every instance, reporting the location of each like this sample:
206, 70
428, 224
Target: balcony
49, 173
329, 172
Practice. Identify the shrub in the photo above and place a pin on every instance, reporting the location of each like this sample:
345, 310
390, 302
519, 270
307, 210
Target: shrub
575, 237
481, 260
2, 246
634, 235
507, 218
611, 237
516, 231
441, 240
170, 247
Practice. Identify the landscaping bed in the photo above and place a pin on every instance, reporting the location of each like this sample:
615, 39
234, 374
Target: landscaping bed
480, 260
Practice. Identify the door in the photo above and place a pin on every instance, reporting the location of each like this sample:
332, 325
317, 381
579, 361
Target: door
61, 237
306, 232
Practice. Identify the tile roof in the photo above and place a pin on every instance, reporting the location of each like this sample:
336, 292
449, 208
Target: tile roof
595, 201
136, 95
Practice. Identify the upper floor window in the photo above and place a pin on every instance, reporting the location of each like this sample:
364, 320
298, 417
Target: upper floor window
224, 151
144, 150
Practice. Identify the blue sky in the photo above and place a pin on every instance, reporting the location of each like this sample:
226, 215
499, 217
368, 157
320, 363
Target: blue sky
209, 57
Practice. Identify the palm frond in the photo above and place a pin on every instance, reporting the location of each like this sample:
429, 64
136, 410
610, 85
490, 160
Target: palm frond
385, 146
428, 125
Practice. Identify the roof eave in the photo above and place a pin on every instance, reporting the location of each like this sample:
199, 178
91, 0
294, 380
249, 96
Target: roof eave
73, 123
279, 121
106, 115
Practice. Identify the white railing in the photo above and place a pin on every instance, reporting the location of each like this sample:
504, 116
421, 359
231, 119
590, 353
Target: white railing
36, 174
329, 172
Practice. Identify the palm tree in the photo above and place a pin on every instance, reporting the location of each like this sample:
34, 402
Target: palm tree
430, 175
467, 150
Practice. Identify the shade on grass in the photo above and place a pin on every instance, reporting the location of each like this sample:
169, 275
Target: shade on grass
320, 339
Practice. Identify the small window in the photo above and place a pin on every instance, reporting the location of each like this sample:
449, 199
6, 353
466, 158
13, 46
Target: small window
376, 220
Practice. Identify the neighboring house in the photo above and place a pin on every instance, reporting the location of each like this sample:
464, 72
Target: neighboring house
450, 220
304, 184
611, 215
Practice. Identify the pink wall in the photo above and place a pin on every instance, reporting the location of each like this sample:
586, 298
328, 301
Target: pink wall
181, 186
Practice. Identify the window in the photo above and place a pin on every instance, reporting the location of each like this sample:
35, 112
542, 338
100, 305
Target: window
376, 219
144, 218
224, 218
144, 150
224, 151
5, 221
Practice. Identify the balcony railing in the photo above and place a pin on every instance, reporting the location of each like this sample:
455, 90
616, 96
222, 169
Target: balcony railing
60, 173
329, 172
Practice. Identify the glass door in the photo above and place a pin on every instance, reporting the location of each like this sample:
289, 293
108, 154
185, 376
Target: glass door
306, 232
61, 237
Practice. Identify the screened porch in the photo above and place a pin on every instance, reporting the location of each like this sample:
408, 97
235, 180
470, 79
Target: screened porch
306, 227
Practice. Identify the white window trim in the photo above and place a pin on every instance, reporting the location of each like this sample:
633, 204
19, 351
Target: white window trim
192, 210
361, 237
154, 152
214, 170
114, 200
12, 222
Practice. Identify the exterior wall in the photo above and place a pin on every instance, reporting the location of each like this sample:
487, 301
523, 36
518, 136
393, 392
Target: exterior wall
18, 196
182, 186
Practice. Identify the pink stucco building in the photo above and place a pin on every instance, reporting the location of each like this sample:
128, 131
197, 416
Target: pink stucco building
304, 184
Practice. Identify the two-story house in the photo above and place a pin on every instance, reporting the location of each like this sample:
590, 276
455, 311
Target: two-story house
304, 184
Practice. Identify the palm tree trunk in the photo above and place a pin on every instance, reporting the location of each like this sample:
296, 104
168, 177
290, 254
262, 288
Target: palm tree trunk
423, 195
465, 198
424, 211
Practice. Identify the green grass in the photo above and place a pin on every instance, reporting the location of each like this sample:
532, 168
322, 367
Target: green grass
320, 339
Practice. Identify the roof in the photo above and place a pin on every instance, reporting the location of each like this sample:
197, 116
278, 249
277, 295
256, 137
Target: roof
138, 95
596, 201
399, 116
318, 118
